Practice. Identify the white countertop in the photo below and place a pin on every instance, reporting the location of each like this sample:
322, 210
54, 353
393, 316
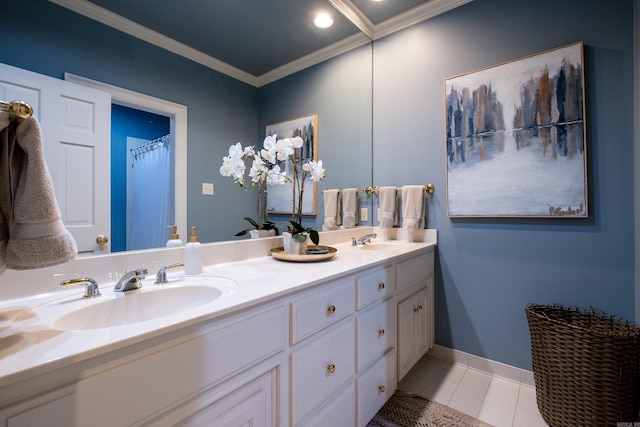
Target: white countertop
31, 345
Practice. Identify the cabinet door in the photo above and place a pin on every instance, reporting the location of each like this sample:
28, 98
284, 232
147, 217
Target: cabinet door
57, 412
405, 336
413, 331
421, 326
251, 405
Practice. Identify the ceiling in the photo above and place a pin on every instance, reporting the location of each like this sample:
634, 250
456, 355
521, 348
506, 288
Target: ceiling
258, 41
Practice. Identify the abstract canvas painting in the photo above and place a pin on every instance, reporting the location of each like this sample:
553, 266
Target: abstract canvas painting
281, 196
515, 138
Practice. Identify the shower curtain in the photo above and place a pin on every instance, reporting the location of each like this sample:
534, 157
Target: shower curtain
150, 201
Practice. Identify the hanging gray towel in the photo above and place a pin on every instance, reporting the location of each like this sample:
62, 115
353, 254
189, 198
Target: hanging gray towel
30, 223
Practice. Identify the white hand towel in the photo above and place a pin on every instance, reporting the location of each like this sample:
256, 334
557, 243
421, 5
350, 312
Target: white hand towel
387, 197
349, 207
331, 209
37, 236
412, 207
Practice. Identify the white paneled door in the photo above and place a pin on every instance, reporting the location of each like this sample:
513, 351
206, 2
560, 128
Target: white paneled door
76, 132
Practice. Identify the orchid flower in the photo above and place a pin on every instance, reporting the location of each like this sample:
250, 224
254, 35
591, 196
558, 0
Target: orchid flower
297, 142
276, 177
284, 148
314, 170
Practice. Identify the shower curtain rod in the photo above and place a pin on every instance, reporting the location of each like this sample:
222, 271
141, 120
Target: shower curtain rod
17, 108
149, 146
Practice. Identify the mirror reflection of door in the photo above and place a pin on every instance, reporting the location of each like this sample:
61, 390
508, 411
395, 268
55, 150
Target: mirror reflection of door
142, 179
74, 121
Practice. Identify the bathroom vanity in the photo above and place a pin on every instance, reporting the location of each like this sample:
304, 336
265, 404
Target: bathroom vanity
274, 344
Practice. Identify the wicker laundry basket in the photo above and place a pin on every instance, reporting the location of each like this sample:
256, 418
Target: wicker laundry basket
585, 366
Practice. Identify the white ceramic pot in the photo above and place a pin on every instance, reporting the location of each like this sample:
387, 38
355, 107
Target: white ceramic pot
257, 234
293, 247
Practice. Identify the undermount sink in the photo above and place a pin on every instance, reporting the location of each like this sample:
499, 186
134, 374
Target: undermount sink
384, 246
141, 305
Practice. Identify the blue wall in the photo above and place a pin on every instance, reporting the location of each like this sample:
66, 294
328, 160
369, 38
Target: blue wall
127, 122
488, 270
221, 110
51, 40
339, 91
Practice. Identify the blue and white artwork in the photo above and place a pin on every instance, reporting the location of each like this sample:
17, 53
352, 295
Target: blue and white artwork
281, 196
516, 138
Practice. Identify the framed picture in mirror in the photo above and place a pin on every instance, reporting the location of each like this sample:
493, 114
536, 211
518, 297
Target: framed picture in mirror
515, 138
281, 197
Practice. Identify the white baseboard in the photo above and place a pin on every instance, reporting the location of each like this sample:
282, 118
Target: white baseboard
478, 363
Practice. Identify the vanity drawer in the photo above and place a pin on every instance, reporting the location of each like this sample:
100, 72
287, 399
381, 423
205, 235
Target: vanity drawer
375, 387
339, 411
374, 285
322, 308
319, 370
376, 331
413, 271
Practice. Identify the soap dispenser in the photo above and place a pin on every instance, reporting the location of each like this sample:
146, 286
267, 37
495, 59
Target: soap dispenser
174, 241
193, 254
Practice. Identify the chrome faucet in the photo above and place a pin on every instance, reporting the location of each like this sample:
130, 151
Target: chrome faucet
364, 239
90, 286
161, 277
131, 280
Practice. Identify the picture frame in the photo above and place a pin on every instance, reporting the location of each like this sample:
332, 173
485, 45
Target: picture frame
280, 199
515, 138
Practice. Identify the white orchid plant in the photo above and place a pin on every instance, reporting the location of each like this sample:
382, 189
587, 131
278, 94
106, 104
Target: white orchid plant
265, 171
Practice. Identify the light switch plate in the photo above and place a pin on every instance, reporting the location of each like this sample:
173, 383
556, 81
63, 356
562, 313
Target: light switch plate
207, 189
364, 214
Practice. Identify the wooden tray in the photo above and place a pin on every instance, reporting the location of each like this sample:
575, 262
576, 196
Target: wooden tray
280, 254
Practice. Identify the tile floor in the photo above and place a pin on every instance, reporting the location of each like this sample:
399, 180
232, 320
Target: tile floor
492, 399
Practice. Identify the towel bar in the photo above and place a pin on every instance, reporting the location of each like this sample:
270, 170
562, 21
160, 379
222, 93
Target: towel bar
429, 188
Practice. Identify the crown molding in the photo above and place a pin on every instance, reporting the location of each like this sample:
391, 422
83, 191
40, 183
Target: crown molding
346, 7
106, 17
355, 15
415, 15
314, 58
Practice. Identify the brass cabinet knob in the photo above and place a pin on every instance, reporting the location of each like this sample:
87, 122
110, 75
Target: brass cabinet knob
420, 307
331, 368
381, 332
381, 285
102, 239
381, 389
416, 309
331, 309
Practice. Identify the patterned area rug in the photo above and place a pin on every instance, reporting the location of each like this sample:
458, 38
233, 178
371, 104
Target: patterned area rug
409, 410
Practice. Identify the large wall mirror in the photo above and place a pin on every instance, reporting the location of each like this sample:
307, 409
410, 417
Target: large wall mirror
221, 108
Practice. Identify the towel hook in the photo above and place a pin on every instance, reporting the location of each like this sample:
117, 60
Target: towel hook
17, 108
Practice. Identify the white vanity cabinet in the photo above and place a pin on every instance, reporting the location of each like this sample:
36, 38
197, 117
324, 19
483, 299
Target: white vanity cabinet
414, 293
229, 369
329, 352
323, 349
376, 350
343, 337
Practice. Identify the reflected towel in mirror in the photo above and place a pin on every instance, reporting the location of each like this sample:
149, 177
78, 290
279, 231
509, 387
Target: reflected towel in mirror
36, 236
331, 209
349, 207
388, 202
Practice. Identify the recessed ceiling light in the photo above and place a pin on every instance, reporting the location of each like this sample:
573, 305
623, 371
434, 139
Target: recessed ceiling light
323, 20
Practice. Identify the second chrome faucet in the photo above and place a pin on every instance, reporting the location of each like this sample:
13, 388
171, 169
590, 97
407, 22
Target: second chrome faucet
131, 280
